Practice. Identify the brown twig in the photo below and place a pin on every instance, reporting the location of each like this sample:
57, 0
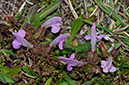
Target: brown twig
72, 9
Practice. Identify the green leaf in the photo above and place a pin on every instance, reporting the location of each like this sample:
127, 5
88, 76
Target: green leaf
125, 66
109, 11
124, 40
88, 82
6, 69
89, 32
117, 44
108, 83
14, 71
36, 21
125, 7
49, 81
49, 10
91, 9
67, 45
69, 81
117, 23
48, 40
115, 79
76, 25
111, 3
62, 52
19, 15
32, 11
28, 71
28, 84
63, 83
2, 79
126, 48
116, 4
82, 47
92, 18
9, 52
8, 78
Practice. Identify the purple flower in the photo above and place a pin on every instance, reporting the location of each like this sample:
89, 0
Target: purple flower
54, 22
20, 40
60, 39
107, 65
93, 37
71, 62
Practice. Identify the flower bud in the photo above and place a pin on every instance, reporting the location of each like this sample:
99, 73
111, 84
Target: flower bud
74, 42
104, 48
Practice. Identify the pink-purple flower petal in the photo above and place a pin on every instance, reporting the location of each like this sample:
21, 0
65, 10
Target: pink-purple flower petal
112, 69
107, 65
61, 44
16, 44
21, 32
26, 43
72, 56
69, 68
103, 63
60, 38
93, 37
20, 40
54, 22
55, 28
71, 61
59, 22
105, 70
87, 37
100, 36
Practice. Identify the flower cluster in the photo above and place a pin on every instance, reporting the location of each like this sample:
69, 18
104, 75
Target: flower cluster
20, 40
93, 37
107, 65
71, 61
55, 23
60, 39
